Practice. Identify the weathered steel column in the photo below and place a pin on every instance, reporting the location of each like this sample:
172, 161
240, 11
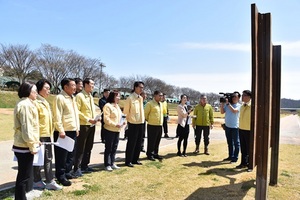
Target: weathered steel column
262, 112
275, 123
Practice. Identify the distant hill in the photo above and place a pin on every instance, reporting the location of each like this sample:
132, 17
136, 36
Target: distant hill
290, 103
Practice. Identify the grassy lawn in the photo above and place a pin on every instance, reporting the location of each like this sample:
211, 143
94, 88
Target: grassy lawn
6, 124
193, 177
8, 99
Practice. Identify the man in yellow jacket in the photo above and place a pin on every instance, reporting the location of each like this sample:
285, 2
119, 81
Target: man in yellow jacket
203, 122
66, 123
154, 117
244, 129
134, 111
85, 141
166, 115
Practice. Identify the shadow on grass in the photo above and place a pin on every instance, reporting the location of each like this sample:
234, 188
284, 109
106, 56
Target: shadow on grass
232, 191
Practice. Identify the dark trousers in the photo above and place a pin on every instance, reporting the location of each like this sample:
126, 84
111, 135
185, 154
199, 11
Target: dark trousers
144, 135
154, 137
165, 125
245, 146
84, 146
233, 142
47, 163
63, 158
25, 173
133, 147
111, 146
102, 131
183, 133
198, 133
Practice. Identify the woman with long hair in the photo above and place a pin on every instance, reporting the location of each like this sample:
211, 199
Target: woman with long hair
183, 125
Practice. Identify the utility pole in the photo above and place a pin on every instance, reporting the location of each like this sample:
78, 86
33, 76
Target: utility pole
100, 79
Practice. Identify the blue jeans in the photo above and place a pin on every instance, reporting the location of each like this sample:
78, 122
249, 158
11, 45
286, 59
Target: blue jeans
233, 142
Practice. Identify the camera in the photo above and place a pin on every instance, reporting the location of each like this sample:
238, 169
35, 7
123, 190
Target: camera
226, 96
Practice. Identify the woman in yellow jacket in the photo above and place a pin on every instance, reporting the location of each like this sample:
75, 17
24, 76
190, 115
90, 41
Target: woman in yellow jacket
26, 138
46, 132
112, 116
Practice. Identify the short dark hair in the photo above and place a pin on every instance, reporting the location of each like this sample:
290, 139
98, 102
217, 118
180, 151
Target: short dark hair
65, 81
105, 90
40, 84
85, 81
25, 89
248, 92
236, 92
77, 80
136, 84
156, 92
111, 96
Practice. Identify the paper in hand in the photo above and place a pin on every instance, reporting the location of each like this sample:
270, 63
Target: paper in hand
66, 143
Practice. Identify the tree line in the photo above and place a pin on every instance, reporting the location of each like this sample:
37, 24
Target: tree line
54, 63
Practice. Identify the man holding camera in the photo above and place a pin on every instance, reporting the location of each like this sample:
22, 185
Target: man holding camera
231, 108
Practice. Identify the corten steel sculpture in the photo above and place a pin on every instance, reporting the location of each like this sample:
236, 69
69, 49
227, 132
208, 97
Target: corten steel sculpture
266, 80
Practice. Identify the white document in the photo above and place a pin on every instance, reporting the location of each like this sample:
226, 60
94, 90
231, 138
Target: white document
122, 120
189, 120
38, 158
97, 118
66, 143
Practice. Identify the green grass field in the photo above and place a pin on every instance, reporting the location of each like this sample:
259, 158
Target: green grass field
192, 177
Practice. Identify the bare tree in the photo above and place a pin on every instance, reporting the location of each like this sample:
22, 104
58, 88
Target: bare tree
83, 67
19, 58
126, 82
53, 62
109, 82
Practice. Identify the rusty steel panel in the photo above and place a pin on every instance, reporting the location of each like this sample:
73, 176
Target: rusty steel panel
275, 123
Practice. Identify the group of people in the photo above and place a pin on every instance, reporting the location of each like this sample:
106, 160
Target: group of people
39, 120
237, 127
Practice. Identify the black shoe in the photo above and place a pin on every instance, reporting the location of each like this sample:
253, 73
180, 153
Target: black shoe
178, 153
227, 159
143, 150
151, 158
87, 170
137, 163
65, 182
71, 176
158, 157
241, 166
166, 136
233, 161
129, 164
184, 155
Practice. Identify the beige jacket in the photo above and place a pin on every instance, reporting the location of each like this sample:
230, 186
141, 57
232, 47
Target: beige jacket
182, 115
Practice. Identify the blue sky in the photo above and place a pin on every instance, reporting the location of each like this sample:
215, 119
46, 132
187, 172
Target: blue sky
201, 44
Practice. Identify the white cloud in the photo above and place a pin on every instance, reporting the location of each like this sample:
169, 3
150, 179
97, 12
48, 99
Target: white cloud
216, 46
229, 82
289, 48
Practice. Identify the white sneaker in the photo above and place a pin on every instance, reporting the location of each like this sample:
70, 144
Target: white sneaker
114, 166
53, 186
39, 185
108, 168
